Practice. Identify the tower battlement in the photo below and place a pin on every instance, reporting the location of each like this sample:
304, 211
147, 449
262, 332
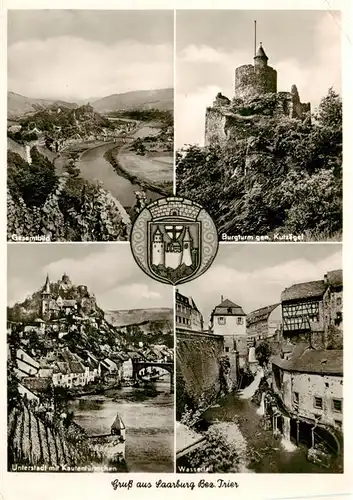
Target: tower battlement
180, 207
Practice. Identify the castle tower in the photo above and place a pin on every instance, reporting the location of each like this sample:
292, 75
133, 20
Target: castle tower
158, 248
260, 60
46, 297
187, 246
258, 79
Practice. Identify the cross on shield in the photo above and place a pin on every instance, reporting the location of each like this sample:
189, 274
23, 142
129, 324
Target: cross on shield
174, 231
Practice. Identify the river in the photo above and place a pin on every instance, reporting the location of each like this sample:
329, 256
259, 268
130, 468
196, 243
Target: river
149, 419
268, 453
94, 167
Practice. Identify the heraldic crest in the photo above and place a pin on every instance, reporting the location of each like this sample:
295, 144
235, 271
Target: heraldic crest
174, 240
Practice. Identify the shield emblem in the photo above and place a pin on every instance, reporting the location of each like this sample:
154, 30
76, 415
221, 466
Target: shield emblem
174, 240
174, 250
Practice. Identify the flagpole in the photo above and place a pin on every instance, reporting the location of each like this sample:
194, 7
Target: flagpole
254, 38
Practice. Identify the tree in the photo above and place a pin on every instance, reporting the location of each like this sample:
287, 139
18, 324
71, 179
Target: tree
33, 182
263, 352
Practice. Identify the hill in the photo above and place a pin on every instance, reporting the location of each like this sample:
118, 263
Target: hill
19, 105
162, 99
140, 316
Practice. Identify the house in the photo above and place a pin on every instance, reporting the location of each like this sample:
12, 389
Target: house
127, 369
310, 308
28, 394
308, 384
92, 364
333, 298
187, 315
25, 365
38, 385
69, 374
264, 323
229, 320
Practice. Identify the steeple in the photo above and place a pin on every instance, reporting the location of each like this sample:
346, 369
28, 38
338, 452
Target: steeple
260, 60
158, 237
46, 288
187, 237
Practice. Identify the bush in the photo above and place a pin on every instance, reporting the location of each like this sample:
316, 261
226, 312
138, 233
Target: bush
273, 174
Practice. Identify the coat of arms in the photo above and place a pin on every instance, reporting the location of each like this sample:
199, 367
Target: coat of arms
174, 240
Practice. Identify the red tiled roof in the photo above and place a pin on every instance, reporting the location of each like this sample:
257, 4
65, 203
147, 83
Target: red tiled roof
260, 314
312, 361
335, 278
310, 289
228, 308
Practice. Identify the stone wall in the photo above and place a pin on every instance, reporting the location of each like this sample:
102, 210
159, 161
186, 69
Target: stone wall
251, 81
198, 368
308, 386
215, 132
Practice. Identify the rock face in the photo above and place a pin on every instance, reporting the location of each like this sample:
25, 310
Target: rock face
198, 363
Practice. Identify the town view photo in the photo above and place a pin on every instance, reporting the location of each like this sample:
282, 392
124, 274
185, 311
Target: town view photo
90, 362
263, 150
259, 362
90, 132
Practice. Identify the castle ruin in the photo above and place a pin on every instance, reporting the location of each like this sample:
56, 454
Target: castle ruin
251, 82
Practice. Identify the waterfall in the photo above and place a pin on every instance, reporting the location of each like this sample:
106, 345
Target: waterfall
286, 442
261, 408
249, 391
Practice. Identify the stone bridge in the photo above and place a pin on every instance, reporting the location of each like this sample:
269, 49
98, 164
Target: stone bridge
139, 365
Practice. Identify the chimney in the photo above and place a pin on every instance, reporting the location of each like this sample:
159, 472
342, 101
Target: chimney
221, 298
326, 278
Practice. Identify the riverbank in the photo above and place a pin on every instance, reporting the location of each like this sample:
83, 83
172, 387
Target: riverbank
112, 157
91, 390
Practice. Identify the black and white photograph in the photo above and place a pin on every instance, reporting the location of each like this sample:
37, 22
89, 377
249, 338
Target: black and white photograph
258, 121
90, 131
259, 362
90, 362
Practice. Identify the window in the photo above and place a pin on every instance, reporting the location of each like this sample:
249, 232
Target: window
221, 320
327, 384
337, 405
227, 349
239, 321
338, 424
339, 301
296, 398
229, 310
318, 402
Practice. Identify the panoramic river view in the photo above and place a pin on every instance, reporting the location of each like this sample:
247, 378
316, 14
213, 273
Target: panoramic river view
148, 415
95, 167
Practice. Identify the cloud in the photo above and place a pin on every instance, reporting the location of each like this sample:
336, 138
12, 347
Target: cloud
190, 111
114, 277
69, 67
257, 287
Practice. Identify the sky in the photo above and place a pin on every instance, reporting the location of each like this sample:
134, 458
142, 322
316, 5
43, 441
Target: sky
108, 270
80, 54
254, 275
303, 46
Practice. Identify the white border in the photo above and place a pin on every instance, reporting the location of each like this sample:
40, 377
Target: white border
15, 486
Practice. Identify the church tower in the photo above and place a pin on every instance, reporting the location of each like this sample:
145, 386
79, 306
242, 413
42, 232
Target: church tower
46, 297
158, 248
187, 246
